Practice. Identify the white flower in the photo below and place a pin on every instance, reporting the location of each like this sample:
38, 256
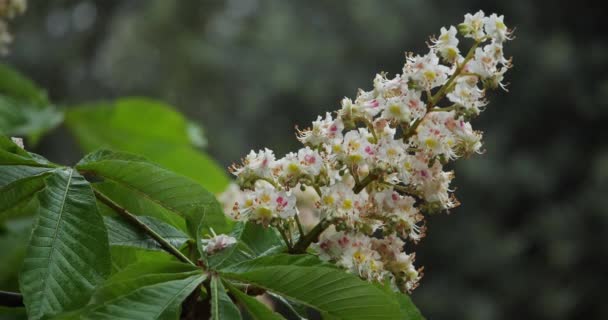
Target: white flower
255, 166
219, 243
426, 71
447, 44
472, 27
340, 200
324, 131
310, 160
496, 28
355, 149
434, 138
468, 95
231, 196
265, 204
468, 140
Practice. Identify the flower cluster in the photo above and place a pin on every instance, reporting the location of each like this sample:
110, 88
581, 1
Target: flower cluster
377, 165
8, 10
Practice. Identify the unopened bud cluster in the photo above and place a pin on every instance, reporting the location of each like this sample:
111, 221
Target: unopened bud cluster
378, 163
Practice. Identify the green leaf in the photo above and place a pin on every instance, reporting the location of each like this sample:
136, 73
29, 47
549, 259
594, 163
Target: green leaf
123, 257
256, 309
141, 274
68, 254
300, 260
149, 128
15, 85
13, 241
222, 308
261, 240
9, 174
16, 197
24, 108
151, 183
160, 300
253, 241
297, 309
331, 291
11, 154
12, 313
122, 233
408, 310
18, 118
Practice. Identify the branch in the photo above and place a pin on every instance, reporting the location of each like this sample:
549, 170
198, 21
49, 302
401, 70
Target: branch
141, 226
305, 241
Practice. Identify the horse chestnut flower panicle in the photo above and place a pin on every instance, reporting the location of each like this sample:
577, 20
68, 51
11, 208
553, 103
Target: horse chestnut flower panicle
377, 164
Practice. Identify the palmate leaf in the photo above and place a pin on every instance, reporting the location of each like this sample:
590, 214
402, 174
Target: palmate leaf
256, 309
331, 291
68, 253
122, 233
222, 308
149, 128
150, 183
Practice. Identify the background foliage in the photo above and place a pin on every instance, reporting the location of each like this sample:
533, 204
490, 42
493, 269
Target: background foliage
529, 240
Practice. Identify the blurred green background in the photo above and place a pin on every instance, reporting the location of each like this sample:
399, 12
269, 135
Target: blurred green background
530, 240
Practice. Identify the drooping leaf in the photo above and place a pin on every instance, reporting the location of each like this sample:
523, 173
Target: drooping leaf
149, 182
19, 118
16, 197
68, 253
158, 301
149, 128
12, 155
24, 108
331, 291
256, 309
122, 233
222, 308
15, 85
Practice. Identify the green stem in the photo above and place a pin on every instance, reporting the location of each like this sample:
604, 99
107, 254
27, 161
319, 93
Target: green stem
141, 226
443, 90
285, 239
300, 229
